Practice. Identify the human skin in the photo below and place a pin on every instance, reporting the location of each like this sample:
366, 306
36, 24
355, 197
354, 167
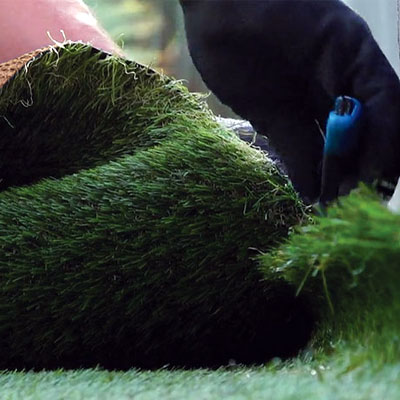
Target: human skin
27, 25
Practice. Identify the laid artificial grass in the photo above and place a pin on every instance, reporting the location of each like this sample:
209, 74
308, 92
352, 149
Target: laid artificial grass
349, 262
298, 381
145, 256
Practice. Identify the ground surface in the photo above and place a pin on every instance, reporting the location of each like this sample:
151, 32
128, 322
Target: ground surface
278, 382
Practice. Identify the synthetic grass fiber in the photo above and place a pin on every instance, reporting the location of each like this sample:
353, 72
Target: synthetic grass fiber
144, 256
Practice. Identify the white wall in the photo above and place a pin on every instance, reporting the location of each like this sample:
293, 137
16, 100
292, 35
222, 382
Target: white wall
381, 16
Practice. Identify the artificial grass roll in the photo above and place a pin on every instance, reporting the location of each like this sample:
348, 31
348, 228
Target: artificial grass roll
349, 262
147, 259
74, 107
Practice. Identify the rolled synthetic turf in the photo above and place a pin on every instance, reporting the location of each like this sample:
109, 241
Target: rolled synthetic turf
138, 248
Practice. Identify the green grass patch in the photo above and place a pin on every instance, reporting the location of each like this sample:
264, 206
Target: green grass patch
349, 262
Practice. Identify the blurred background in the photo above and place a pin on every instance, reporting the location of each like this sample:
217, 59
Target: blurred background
152, 32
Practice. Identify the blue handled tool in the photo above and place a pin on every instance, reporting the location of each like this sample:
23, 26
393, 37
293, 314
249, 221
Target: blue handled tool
342, 128
342, 138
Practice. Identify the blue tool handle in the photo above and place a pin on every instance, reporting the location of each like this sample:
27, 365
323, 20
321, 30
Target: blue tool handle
342, 129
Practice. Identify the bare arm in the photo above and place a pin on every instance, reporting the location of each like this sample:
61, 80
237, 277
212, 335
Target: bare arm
24, 26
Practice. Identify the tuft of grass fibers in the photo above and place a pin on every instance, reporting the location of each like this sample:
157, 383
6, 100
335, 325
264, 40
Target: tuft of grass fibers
146, 255
348, 261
